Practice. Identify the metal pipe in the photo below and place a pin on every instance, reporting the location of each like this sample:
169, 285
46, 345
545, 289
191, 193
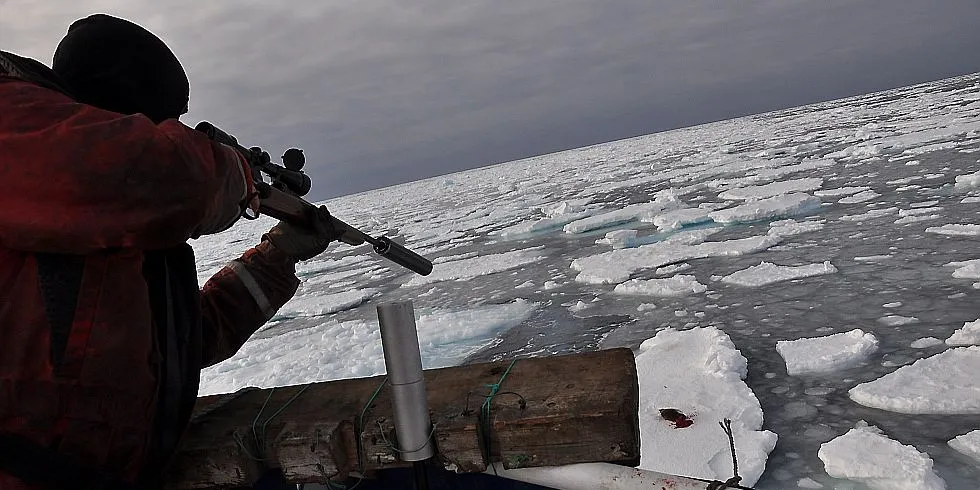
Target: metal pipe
403, 362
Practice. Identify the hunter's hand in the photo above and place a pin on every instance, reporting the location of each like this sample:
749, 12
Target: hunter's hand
301, 243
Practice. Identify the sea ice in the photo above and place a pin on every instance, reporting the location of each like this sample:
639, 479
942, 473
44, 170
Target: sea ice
862, 196
917, 219
968, 444
633, 212
352, 349
968, 335
790, 227
541, 224
897, 320
955, 229
308, 305
768, 273
616, 266
840, 191
822, 354
699, 372
785, 205
864, 454
946, 383
925, 343
968, 181
870, 214
676, 219
678, 285
872, 258
967, 269
773, 189
478, 266
619, 238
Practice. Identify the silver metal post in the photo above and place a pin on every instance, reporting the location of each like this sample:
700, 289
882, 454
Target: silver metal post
403, 361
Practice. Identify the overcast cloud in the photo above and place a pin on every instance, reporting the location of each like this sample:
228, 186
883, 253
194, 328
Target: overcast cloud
384, 91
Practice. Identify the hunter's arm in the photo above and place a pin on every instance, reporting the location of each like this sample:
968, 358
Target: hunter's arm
242, 296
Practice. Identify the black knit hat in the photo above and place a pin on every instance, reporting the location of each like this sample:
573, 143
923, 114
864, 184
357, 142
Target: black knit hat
116, 65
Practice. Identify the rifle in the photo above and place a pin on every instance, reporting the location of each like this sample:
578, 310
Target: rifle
282, 200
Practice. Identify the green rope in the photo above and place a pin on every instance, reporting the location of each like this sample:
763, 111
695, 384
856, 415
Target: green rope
360, 449
259, 430
485, 415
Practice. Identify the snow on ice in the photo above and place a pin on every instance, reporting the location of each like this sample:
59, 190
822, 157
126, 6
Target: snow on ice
925, 343
865, 454
946, 383
823, 354
616, 266
968, 444
672, 286
675, 219
773, 189
790, 227
968, 335
478, 266
955, 229
698, 372
633, 212
315, 304
337, 350
768, 273
784, 205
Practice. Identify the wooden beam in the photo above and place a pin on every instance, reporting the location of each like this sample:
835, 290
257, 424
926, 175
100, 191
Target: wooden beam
576, 408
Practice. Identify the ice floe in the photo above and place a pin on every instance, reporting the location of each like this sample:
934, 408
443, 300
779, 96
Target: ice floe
860, 197
865, 454
897, 320
790, 227
616, 266
768, 273
840, 191
678, 285
323, 304
870, 214
967, 444
925, 343
351, 349
946, 383
772, 189
955, 229
633, 212
699, 373
967, 269
541, 224
968, 181
478, 266
969, 334
619, 239
784, 205
829, 353
672, 220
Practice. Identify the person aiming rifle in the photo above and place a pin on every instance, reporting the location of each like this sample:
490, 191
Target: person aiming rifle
103, 327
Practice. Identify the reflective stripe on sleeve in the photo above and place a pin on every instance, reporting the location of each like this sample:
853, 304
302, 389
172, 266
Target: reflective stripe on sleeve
253, 287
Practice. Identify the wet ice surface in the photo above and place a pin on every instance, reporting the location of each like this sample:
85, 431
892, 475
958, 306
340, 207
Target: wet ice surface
827, 353
896, 216
885, 463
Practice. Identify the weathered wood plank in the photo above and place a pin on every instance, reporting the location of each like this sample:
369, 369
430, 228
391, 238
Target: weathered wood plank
577, 408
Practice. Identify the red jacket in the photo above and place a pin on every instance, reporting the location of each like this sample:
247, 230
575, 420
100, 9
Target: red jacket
103, 329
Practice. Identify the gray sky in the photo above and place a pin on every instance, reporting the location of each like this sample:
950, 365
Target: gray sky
384, 91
